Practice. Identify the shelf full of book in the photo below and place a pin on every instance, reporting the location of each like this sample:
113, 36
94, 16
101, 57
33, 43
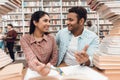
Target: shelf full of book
57, 10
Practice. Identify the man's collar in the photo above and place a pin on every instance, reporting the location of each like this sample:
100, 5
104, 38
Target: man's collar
82, 35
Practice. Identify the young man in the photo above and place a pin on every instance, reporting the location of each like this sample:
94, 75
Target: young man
76, 44
10, 39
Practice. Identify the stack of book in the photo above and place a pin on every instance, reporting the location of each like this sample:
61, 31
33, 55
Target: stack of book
9, 5
110, 45
108, 58
4, 59
108, 63
12, 72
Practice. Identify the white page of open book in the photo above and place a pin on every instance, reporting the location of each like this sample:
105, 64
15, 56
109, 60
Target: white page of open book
71, 71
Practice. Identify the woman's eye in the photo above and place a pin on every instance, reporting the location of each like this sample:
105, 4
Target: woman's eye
46, 20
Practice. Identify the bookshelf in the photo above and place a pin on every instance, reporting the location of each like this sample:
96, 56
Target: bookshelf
58, 13
54, 8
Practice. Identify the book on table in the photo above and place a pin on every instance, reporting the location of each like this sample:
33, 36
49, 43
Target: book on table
12, 72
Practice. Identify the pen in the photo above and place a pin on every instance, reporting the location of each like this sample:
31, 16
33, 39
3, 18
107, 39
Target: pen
58, 70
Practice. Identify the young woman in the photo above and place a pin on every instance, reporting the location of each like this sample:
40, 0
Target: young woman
39, 46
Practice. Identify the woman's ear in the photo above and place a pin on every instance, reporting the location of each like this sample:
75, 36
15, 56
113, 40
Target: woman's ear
81, 21
35, 23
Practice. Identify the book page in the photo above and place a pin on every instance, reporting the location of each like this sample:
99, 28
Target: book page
70, 72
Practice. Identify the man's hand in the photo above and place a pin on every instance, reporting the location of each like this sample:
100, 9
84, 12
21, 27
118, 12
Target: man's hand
82, 57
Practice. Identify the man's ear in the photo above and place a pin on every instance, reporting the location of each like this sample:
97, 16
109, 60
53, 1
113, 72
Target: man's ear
81, 21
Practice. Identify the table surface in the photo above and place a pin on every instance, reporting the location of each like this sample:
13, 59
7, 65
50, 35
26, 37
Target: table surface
110, 76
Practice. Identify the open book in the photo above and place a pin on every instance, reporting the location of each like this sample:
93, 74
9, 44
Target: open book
76, 72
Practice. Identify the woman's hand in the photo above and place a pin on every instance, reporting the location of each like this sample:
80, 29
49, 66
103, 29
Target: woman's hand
44, 69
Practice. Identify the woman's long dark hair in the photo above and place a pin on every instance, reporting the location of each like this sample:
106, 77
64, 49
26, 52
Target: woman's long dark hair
35, 17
